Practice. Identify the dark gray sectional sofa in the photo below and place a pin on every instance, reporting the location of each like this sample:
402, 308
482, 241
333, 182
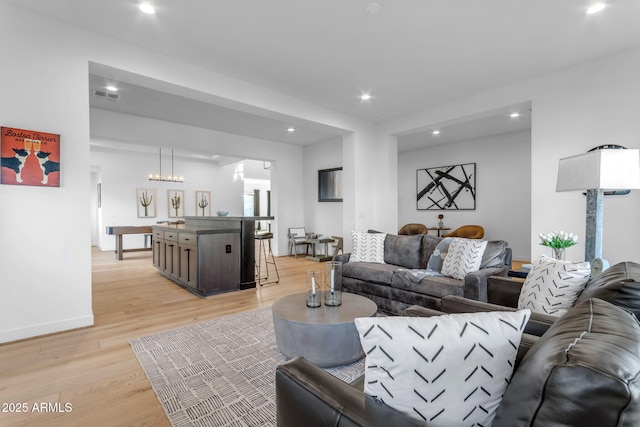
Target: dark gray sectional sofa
394, 289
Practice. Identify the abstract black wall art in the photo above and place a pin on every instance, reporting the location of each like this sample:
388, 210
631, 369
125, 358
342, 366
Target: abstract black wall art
447, 187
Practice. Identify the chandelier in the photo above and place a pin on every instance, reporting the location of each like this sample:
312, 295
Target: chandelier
168, 178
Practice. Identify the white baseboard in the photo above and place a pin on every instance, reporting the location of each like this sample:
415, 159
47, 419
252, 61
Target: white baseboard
45, 328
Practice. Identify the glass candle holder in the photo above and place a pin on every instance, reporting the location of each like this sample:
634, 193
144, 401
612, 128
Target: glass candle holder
314, 288
333, 283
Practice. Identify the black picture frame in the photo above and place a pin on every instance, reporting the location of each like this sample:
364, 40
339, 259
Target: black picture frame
330, 185
446, 187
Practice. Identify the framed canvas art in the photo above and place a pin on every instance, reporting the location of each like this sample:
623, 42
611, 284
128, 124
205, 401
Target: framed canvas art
330, 185
29, 157
447, 187
176, 203
146, 202
203, 203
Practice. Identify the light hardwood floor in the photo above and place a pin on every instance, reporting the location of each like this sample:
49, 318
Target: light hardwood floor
94, 369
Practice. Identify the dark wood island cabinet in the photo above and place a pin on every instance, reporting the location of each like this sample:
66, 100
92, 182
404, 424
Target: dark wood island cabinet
207, 255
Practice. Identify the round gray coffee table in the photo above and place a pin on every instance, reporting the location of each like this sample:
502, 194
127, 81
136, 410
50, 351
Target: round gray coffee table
326, 336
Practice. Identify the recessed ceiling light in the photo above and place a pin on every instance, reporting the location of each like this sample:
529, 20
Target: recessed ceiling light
514, 115
373, 7
595, 8
147, 8
112, 88
291, 130
436, 132
365, 97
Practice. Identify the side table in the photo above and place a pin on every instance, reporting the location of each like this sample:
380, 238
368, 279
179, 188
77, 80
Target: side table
319, 257
504, 291
519, 273
326, 336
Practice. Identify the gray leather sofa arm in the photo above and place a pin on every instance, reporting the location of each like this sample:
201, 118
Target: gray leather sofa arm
420, 311
537, 325
475, 284
342, 257
504, 291
310, 397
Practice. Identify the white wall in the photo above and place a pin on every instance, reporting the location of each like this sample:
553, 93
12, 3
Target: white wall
57, 294
122, 173
323, 218
45, 257
503, 187
574, 109
286, 162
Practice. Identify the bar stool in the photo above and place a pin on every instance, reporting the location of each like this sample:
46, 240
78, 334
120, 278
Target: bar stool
264, 253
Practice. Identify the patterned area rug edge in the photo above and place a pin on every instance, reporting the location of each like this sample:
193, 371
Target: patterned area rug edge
219, 372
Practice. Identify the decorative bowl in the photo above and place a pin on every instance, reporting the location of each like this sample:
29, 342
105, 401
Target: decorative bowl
222, 213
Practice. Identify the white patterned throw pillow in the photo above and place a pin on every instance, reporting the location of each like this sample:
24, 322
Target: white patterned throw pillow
464, 256
552, 286
448, 370
367, 247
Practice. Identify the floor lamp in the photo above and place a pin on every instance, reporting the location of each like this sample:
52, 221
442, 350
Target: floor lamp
596, 172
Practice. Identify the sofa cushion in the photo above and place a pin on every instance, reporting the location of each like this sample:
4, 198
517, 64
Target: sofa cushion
552, 286
375, 273
429, 244
367, 247
587, 359
620, 285
437, 286
439, 254
403, 250
464, 256
410, 364
494, 254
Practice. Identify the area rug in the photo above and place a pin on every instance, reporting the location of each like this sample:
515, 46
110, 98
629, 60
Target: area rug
220, 372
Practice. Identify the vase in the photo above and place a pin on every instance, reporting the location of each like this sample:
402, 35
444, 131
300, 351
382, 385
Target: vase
333, 283
314, 288
558, 253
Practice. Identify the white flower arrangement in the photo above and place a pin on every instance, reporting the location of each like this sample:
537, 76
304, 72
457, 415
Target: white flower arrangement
558, 239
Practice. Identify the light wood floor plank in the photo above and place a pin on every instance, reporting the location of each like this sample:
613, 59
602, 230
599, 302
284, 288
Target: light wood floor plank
94, 369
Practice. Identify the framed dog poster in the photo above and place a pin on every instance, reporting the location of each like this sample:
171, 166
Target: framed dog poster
29, 157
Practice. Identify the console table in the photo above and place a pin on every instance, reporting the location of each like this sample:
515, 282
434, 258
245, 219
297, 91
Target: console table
318, 241
118, 231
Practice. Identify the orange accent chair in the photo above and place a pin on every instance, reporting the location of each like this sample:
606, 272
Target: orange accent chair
411, 229
467, 231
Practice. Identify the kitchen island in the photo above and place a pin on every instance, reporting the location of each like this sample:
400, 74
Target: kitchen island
208, 255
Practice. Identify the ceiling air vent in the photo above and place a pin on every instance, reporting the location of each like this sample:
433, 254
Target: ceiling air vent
106, 95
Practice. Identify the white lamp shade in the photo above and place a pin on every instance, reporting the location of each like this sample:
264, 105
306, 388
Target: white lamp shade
608, 169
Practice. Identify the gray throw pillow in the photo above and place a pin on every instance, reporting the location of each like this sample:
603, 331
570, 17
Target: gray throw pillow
439, 253
494, 254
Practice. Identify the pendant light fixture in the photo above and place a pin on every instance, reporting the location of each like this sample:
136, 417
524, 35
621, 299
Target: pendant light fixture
168, 178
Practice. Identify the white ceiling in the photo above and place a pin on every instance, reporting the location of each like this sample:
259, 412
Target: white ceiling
411, 55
